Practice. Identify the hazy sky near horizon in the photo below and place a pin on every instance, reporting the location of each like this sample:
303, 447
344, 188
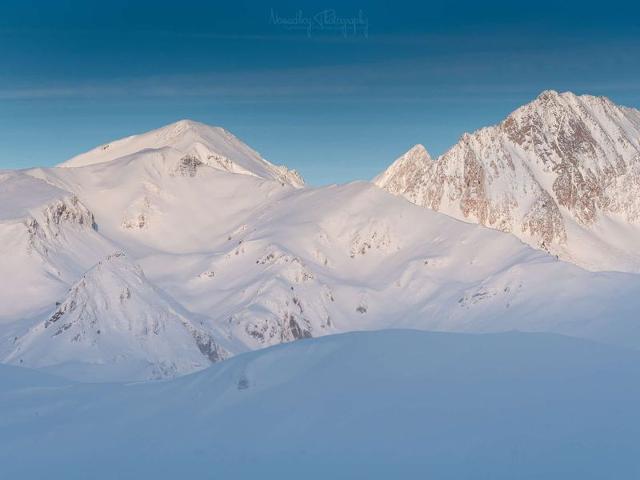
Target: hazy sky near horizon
337, 95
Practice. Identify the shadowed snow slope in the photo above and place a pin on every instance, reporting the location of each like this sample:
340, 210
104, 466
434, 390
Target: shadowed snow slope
562, 173
392, 404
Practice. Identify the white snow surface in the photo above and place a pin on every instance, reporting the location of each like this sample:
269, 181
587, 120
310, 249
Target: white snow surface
219, 262
389, 404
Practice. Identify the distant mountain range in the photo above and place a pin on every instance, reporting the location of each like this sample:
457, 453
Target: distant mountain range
156, 255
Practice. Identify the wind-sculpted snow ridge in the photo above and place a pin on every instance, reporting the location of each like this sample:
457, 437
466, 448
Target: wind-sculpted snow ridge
562, 173
113, 324
195, 144
388, 404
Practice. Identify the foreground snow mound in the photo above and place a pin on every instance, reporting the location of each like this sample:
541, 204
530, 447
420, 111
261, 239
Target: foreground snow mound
392, 404
196, 144
114, 324
562, 173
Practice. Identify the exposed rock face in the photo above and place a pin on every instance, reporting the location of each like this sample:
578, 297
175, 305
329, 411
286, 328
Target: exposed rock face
560, 164
136, 216
288, 176
188, 166
47, 224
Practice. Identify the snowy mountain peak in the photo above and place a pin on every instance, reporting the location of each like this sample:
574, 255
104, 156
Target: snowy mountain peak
185, 124
114, 316
212, 146
550, 95
416, 161
416, 155
562, 173
177, 131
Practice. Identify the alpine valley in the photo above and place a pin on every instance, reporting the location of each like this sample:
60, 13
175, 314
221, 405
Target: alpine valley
159, 254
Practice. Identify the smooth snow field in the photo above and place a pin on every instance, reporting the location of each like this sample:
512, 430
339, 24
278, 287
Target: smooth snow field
387, 404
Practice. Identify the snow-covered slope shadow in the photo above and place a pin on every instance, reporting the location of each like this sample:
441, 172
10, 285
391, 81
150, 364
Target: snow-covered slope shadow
400, 404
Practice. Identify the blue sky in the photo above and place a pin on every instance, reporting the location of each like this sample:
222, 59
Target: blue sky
337, 105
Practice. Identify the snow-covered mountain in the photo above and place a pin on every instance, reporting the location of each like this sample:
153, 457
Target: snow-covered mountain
220, 261
194, 144
374, 405
561, 173
113, 319
48, 238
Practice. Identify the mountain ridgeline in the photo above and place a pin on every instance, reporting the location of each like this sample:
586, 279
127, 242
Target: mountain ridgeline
158, 254
562, 173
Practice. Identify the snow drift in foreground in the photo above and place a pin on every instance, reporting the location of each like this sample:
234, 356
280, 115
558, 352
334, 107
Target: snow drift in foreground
389, 404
